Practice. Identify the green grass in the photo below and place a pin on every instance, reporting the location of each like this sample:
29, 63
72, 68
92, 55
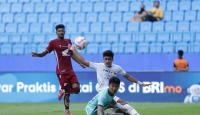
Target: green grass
79, 108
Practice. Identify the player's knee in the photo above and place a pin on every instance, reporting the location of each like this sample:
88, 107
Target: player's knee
114, 110
77, 90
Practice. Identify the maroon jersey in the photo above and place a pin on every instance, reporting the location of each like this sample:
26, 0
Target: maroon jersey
63, 55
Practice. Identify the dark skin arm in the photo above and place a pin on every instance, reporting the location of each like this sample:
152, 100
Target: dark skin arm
76, 60
99, 110
39, 54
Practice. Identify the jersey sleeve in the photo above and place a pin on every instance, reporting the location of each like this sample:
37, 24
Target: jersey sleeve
121, 71
93, 65
102, 100
50, 47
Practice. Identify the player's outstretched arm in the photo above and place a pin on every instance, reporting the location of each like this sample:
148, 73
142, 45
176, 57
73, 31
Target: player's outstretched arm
76, 60
80, 58
39, 54
100, 110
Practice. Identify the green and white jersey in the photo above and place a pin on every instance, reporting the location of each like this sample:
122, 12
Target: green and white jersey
102, 98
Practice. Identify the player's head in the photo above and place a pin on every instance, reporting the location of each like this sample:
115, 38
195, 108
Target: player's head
114, 84
108, 58
156, 3
60, 30
180, 53
142, 7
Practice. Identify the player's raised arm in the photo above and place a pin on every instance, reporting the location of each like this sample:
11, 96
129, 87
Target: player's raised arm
76, 60
39, 54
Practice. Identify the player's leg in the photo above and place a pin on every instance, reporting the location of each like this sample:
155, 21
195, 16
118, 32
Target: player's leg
63, 85
74, 85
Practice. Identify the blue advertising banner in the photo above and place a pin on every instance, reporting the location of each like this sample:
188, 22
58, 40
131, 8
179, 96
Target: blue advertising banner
43, 87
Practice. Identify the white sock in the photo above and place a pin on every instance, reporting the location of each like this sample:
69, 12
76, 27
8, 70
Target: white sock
66, 110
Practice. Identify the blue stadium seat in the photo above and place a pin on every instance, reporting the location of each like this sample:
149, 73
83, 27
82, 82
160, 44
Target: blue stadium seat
52, 7
116, 17
130, 48
139, 37
177, 16
32, 18
148, 5
16, 8
108, 27
0, 17
89, 37
87, 7
123, 6
181, 46
106, 0
198, 15
6, 49
18, 49
40, 7
104, 17
71, 27
23, 28
158, 26
168, 47
47, 28
113, 38
172, 5
167, 16
55, 17
41, 47
99, 7
190, 15
183, 26
163, 37
101, 38
59, 0
79, 17
92, 48
195, 26
143, 48
184, 5
8, 18
36, 1
95, 0
75, 7
133, 26
63, 7
127, 16
15, 39
67, 17
20, 18
187, 37
4, 39
170, 26
24, 39
84, 27
83, 0
120, 27
196, 47
150, 37
135, 6
3, 1
51, 37
35, 28
24, 1
2, 27
43, 17
195, 5
28, 8
45, 1
177, 37
111, 7
74, 36
38, 39
30, 48
155, 48
4, 7
103, 47
11, 28
118, 48
12, 1
125, 38
71, 0
162, 5
96, 27
145, 26
91, 17
197, 38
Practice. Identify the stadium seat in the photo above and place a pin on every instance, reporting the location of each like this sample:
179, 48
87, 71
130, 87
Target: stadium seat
40, 7
172, 5
75, 7
79, 17
168, 47
196, 47
55, 17
177, 37
38, 39
51, 37
116, 17
103, 47
101, 38
167, 16
150, 37
108, 27
4, 39
181, 46
36, 1
47, 27
63, 7
59, 0
187, 37
104, 17
91, 17
15, 39
74, 36
18, 49
184, 5
8, 18
135, 6
2, 27
106, 0
83, 0
197, 38
198, 15
12, 1
130, 48
4, 7
95, 0
32, 18
148, 5
99, 7
16, 8
35, 28
139, 37
190, 16
177, 16
170, 26
158, 26
143, 48
111, 7
92, 48
133, 26
71, 0
3, 1
28, 8
125, 38
71, 27
127, 16
113, 38
96, 27
163, 37
84, 27
19, 18
195, 26
162, 5
24, 1
120, 27
145, 26
43, 17
30, 48
67, 17
195, 5
23, 28
6, 49
183, 26
123, 6
87, 7
24, 39
118, 48
89, 37
52, 7
41, 47
11, 28
46, 1
155, 48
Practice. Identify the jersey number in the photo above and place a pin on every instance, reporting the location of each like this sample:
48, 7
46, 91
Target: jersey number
64, 53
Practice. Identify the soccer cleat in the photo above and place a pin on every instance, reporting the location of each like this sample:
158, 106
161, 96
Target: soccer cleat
68, 113
60, 94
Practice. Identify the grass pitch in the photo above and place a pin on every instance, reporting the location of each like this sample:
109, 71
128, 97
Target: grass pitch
79, 108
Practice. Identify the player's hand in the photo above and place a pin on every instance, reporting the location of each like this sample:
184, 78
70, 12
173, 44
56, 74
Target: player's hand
82, 65
71, 47
144, 85
34, 54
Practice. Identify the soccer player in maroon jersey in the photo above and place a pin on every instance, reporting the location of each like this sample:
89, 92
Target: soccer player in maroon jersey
66, 76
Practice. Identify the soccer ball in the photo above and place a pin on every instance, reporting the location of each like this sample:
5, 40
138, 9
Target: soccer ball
80, 43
